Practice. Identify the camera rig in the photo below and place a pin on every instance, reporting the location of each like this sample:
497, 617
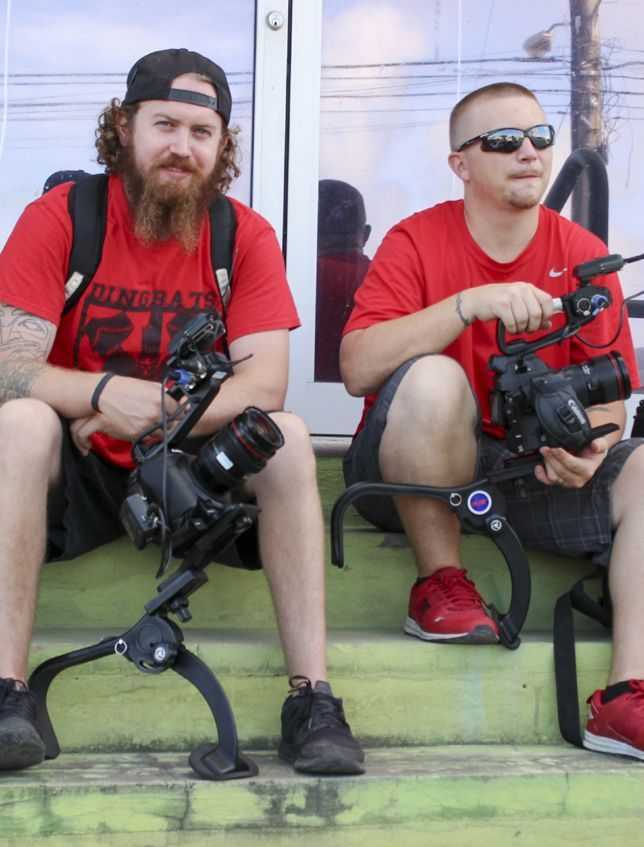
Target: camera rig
171, 502
537, 406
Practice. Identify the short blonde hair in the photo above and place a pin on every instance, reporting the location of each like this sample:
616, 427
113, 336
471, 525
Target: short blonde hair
495, 89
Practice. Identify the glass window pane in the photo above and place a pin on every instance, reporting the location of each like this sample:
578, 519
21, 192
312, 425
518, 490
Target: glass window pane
66, 60
392, 71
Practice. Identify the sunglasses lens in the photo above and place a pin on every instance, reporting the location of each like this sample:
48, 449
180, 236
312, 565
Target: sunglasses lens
509, 140
502, 141
541, 136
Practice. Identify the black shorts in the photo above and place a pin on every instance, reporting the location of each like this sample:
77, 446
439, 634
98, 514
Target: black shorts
83, 509
566, 521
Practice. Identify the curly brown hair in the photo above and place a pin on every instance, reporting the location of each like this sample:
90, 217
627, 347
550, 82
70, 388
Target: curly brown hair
110, 150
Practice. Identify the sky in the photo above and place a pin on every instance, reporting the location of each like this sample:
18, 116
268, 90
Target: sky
67, 59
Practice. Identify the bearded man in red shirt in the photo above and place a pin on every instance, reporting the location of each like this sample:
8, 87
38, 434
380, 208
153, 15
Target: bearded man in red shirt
77, 387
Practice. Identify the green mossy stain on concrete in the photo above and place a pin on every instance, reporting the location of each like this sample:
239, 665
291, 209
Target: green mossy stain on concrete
448, 788
319, 803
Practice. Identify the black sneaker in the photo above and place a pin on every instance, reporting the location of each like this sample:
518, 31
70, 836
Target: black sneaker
20, 743
315, 735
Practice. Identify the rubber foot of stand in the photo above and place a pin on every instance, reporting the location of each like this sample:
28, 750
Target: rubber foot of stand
209, 762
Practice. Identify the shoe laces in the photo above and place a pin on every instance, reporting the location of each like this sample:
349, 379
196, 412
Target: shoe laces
458, 592
633, 689
16, 699
324, 710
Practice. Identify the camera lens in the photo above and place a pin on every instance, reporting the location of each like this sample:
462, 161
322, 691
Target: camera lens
600, 380
242, 447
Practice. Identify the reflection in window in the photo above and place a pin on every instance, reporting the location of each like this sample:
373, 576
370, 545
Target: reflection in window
341, 265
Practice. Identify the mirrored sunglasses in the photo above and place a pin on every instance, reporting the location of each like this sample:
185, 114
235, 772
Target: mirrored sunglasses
510, 139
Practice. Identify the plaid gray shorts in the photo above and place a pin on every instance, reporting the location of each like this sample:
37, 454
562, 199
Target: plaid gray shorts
567, 521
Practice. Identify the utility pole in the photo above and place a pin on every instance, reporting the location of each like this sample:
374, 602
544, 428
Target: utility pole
586, 94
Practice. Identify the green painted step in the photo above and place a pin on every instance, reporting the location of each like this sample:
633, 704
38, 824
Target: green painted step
448, 796
397, 691
109, 587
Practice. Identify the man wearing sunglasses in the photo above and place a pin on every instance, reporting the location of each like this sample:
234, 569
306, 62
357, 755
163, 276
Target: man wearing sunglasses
417, 345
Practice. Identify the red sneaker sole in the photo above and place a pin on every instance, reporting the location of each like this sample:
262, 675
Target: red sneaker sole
479, 635
602, 744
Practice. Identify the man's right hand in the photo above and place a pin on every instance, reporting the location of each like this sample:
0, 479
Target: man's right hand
129, 407
520, 306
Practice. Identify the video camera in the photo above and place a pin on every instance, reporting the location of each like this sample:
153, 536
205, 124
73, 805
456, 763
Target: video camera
539, 406
176, 497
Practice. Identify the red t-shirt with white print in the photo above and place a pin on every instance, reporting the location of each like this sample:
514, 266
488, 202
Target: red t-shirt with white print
141, 295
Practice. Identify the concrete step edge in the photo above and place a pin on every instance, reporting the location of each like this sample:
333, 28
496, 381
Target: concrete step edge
456, 792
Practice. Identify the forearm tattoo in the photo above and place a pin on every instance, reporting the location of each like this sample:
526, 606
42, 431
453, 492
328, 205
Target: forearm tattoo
25, 343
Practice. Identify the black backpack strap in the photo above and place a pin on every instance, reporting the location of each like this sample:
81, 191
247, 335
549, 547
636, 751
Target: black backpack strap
87, 204
564, 650
223, 227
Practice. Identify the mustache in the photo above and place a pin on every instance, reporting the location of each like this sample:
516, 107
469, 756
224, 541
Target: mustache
174, 161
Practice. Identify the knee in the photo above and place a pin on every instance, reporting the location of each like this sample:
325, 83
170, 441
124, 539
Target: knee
297, 438
435, 392
293, 465
627, 488
30, 430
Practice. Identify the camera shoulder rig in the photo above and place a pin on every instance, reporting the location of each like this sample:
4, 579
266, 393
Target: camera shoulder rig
181, 500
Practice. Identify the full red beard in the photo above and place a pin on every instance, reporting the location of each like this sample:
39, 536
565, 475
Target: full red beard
164, 210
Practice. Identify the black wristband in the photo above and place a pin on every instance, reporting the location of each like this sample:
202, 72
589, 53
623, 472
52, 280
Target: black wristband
100, 387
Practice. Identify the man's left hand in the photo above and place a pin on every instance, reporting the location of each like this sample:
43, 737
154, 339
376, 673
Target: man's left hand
82, 429
569, 470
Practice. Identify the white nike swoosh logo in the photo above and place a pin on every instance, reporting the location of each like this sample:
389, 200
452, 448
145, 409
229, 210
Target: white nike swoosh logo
552, 272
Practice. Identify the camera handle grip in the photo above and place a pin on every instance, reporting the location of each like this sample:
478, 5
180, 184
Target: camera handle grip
522, 348
603, 429
579, 306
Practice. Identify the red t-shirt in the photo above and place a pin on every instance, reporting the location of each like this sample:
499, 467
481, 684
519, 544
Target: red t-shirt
140, 296
431, 255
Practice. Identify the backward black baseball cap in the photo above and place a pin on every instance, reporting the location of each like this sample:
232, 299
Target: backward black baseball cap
152, 76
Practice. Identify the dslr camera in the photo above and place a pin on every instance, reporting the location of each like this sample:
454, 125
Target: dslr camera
539, 406
176, 497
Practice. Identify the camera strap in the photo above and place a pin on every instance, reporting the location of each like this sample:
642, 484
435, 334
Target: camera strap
564, 648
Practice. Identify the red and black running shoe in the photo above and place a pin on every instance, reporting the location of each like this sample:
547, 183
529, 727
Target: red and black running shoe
447, 607
616, 720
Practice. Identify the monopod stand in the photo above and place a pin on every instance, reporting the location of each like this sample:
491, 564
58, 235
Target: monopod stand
480, 508
155, 643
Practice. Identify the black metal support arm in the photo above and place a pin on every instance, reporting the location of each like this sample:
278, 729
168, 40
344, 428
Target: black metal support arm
583, 160
155, 644
480, 508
